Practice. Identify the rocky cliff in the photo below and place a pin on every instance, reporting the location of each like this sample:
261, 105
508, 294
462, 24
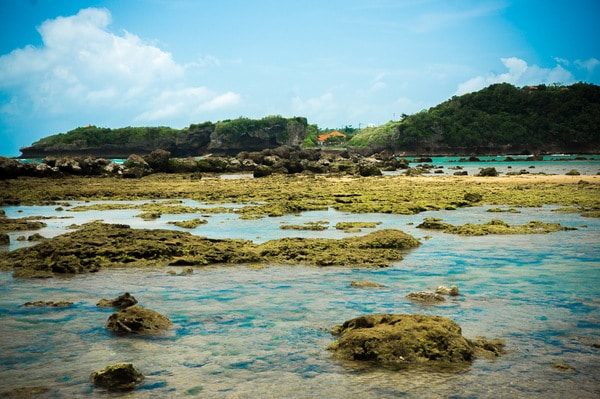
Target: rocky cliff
222, 138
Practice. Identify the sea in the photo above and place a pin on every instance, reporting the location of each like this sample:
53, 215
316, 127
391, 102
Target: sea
248, 332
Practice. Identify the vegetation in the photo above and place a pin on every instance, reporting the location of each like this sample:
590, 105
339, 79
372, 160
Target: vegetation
504, 115
93, 136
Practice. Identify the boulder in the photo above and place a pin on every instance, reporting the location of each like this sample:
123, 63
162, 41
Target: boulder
452, 291
121, 302
137, 320
118, 377
407, 339
135, 167
4, 239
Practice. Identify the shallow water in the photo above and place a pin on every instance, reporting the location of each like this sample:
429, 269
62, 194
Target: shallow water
551, 165
247, 332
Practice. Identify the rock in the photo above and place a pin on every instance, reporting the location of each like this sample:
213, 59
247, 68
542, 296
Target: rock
488, 172
405, 339
49, 304
9, 168
121, 302
452, 291
366, 284
4, 239
262, 171
118, 377
135, 167
158, 160
137, 320
368, 169
562, 366
426, 296
36, 237
473, 197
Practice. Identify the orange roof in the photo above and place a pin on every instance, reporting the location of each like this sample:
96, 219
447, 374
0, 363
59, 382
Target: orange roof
335, 133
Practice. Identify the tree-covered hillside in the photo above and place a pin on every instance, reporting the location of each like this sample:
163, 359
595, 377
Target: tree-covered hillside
504, 116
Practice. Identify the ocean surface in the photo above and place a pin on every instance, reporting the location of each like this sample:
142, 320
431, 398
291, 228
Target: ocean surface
246, 332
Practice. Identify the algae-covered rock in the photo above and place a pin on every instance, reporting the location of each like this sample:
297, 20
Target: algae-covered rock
366, 284
494, 226
121, 302
49, 304
138, 321
426, 297
98, 245
118, 377
406, 339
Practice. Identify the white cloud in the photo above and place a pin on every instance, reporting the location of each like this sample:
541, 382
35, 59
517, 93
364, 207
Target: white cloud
588, 65
518, 74
84, 68
322, 107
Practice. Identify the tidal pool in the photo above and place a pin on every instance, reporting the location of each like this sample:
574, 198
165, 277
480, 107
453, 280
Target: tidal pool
262, 332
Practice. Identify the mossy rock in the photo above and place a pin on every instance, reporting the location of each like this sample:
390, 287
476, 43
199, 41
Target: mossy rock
118, 377
407, 339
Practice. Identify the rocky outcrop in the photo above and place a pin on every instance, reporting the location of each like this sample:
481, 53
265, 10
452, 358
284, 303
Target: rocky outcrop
118, 377
138, 321
408, 339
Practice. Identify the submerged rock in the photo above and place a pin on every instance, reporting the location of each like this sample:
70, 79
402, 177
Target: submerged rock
406, 339
452, 291
49, 304
366, 284
121, 302
426, 296
118, 377
138, 320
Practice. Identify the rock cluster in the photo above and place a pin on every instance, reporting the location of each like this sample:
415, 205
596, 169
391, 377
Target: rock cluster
282, 160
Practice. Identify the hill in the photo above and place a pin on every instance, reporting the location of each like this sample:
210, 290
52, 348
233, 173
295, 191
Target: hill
499, 118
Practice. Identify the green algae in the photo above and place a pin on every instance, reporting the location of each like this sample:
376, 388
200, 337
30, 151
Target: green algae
314, 226
503, 210
189, 224
97, 246
355, 226
279, 195
8, 225
494, 226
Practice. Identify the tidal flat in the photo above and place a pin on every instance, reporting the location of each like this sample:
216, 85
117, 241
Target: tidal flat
239, 329
280, 194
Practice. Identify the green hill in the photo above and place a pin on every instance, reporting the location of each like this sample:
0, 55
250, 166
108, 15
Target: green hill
502, 117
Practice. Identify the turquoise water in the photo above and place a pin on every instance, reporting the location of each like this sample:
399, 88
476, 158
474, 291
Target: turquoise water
244, 332
551, 164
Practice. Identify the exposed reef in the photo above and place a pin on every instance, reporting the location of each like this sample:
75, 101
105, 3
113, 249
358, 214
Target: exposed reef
98, 245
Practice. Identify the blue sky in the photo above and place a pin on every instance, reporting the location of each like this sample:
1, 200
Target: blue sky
116, 63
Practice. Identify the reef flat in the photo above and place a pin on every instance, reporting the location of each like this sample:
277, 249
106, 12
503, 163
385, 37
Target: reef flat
279, 195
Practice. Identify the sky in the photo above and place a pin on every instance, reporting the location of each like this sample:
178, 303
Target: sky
117, 63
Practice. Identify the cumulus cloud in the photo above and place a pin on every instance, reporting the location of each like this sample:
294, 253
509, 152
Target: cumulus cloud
82, 67
519, 73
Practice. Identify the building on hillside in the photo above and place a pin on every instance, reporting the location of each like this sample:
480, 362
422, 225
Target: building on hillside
333, 137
